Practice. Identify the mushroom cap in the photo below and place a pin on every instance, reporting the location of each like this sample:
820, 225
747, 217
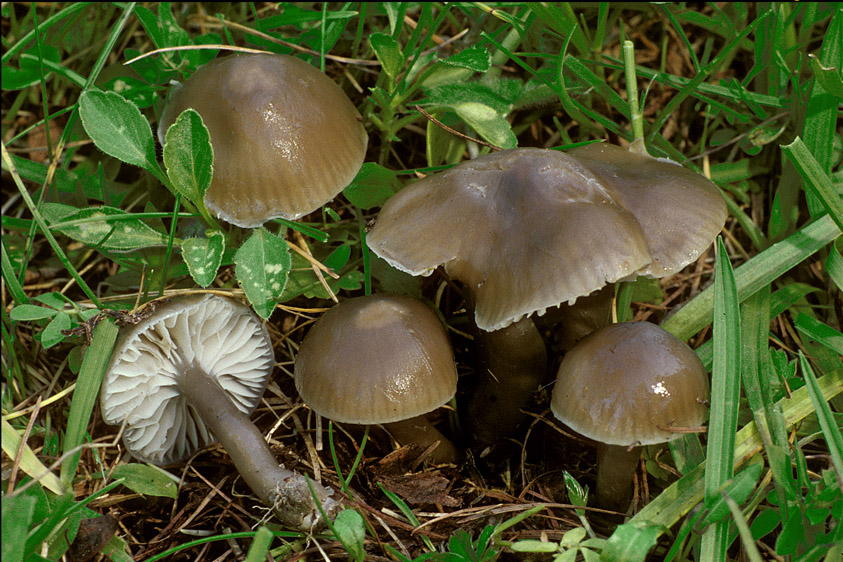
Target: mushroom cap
220, 336
679, 211
376, 359
525, 229
625, 381
286, 138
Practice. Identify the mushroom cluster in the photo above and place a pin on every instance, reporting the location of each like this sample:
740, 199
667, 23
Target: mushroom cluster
270, 117
190, 374
528, 229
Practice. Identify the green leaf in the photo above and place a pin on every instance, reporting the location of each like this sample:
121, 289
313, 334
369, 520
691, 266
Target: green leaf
475, 58
203, 256
262, 266
17, 513
136, 91
260, 545
820, 332
534, 545
761, 270
488, 123
830, 429
30, 312
189, 156
388, 52
103, 227
829, 77
118, 128
52, 333
631, 542
350, 530
738, 488
372, 186
725, 393
834, 266
816, 179
145, 479
86, 393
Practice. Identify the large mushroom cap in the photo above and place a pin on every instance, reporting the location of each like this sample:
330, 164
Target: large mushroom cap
286, 138
376, 360
625, 383
679, 211
218, 335
525, 229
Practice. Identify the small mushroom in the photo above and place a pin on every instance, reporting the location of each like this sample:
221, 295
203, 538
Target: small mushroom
286, 138
380, 359
628, 385
191, 373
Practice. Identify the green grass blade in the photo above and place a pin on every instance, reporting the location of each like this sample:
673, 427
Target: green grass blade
815, 178
39, 221
46, 24
830, 430
761, 270
725, 392
820, 332
86, 393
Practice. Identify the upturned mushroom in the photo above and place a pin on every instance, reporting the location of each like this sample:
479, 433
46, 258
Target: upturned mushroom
625, 386
286, 138
190, 374
528, 229
380, 359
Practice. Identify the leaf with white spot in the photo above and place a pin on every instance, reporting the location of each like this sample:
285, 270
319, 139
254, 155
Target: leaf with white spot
262, 265
118, 128
106, 228
203, 256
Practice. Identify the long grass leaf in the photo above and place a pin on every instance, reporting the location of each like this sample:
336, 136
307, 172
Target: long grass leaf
725, 392
29, 463
816, 179
761, 270
85, 395
830, 429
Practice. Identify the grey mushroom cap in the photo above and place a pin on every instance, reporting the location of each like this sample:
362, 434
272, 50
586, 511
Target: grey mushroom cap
528, 229
628, 384
525, 229
376, 360
286, 138
680, 212
217, 335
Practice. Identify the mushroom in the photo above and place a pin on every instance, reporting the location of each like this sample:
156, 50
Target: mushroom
286, 138
528, 229
191, 373
628, 385
380, 359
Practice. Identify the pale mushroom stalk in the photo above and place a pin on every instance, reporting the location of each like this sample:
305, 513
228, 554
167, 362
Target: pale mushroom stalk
616, 465
285, 490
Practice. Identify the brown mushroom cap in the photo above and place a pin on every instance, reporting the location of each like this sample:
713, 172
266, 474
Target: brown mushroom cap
525, 229
375, 360
679, 211
624, 382
286, 138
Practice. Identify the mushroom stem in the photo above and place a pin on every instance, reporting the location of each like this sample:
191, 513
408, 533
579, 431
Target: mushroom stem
285, 490
419, 431
616, 466
513, 364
